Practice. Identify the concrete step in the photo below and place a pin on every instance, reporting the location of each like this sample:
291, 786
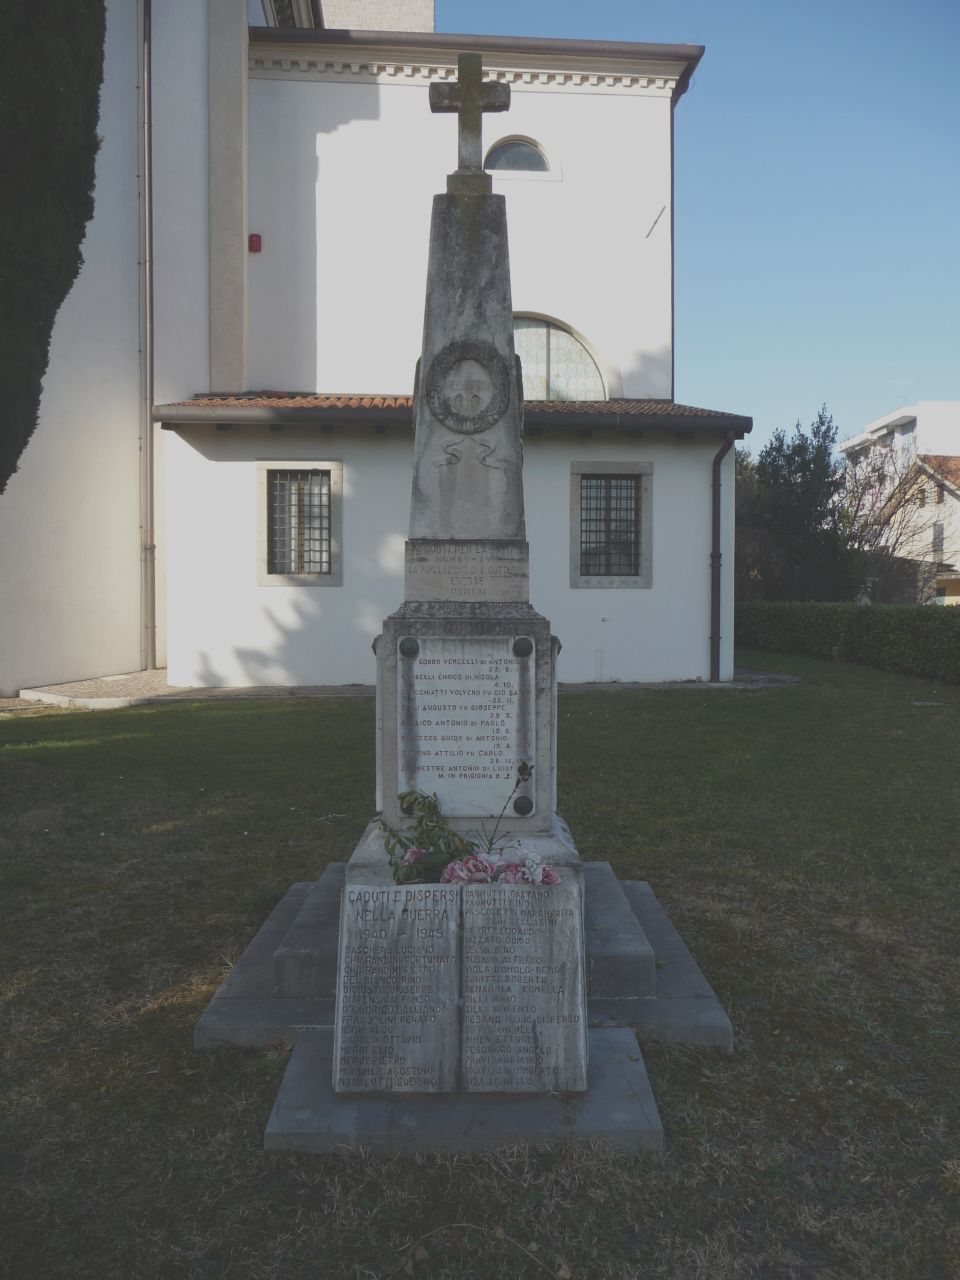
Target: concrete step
305, 963
686, 1009
247, 1010
618, 1107
620, 960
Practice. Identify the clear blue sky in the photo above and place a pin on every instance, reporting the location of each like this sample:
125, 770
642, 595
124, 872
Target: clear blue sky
817, 195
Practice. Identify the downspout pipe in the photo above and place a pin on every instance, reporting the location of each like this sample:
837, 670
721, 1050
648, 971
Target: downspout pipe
716, 558
148, 588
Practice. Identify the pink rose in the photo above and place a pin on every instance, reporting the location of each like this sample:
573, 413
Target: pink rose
479, 869
453, 873
476, 868
412, 855
510, 873
550, 875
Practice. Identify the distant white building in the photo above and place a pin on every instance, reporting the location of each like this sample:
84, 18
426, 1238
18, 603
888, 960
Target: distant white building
923, 443
253, 285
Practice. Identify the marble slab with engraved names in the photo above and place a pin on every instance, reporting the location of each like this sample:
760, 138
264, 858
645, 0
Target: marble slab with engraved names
461, 988
524, 1000
396, 1026
465, 721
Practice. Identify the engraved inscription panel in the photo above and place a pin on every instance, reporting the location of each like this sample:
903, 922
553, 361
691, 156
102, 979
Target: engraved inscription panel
450, 570
465, 721
396, 1027
524, 1011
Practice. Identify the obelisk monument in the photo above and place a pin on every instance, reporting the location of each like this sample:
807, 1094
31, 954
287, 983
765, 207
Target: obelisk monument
466, 987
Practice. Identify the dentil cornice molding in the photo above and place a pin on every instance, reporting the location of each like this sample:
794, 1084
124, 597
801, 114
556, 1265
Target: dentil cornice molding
279, 63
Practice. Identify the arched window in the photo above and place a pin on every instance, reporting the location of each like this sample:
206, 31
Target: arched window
556, 365
516, 153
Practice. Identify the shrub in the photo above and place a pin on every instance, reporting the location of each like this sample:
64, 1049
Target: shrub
916, 640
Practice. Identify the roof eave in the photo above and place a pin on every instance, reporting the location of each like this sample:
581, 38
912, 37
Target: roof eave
173, 416
621, 53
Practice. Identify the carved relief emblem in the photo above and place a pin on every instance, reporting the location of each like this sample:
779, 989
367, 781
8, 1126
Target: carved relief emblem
468, 386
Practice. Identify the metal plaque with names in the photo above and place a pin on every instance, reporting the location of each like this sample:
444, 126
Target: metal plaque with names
465, 721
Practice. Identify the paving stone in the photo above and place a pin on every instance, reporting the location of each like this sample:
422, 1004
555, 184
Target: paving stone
305, 962
620, 959
619, 1107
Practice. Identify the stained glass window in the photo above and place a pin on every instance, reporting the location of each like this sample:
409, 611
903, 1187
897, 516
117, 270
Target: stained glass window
556, 365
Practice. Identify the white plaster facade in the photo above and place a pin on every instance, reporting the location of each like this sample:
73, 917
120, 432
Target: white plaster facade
342, 160
343, 169
225, 629
930, 426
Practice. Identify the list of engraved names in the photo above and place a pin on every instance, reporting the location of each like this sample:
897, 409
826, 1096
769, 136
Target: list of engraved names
464, 720
524, 1019
397, 987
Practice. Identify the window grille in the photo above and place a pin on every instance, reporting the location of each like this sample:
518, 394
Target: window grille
610, 526
298, 522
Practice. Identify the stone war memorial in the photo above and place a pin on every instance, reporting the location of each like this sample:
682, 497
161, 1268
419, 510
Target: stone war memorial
465, 979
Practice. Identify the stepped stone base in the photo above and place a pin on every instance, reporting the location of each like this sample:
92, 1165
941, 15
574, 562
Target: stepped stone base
618, 1107
640, 973
620, 960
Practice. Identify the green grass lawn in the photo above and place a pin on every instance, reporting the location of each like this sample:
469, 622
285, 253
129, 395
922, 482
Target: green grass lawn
803, 838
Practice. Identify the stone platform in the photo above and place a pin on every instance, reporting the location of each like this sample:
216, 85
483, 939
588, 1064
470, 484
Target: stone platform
618, 1107
640, 973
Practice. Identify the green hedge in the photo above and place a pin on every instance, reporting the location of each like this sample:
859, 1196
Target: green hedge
919, 640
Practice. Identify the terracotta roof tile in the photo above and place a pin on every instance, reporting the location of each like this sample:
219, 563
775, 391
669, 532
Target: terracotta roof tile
283, 400
945, 465
294, 400
668, 408
275, 407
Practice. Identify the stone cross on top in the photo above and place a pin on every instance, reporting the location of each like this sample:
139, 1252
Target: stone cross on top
470, 97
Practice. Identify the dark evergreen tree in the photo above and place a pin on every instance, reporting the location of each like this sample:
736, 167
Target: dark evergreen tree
51, 66
791, 540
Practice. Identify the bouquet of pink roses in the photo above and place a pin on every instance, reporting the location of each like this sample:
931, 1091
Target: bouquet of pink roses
431, 852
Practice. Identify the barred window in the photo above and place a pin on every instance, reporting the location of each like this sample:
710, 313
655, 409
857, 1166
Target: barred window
938, 538
298, 522
610, 526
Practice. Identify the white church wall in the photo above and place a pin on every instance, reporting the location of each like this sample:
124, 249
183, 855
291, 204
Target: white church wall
180, 200
379, 15
226, 630
341, 178
70, 568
